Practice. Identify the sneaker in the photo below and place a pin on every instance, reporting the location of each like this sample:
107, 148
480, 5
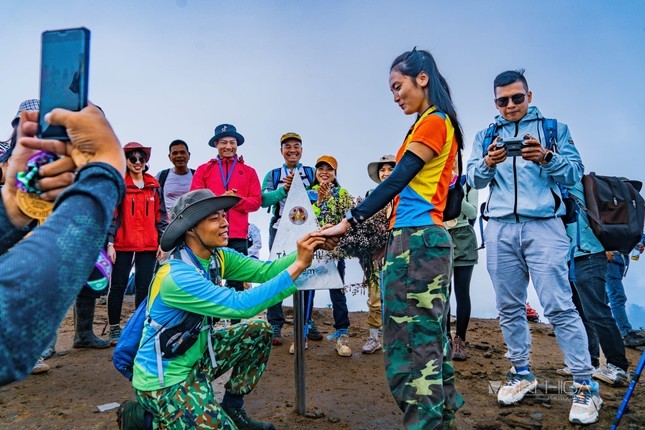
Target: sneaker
371, 346
313, 333
292, 348
611, 374
40, 367
335, 335
565, 371
632, 340
586, 403
277, 335
277, 341
115, 334
342, 346
459, 349
243, 421
516, 387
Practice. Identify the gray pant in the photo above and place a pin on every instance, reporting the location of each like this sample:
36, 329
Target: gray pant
537, 248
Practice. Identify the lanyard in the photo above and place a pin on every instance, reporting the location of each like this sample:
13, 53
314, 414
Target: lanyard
230, 172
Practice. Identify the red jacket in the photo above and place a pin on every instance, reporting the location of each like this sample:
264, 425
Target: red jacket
141, 218
243, 178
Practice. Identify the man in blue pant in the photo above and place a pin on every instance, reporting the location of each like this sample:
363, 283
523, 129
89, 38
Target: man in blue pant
525, 236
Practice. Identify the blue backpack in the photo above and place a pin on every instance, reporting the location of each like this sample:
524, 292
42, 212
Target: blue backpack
128, 345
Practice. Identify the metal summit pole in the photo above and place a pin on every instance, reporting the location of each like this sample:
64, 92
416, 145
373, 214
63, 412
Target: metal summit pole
299, 339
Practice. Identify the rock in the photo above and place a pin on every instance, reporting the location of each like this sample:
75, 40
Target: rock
488, 354
333, 420
505, 412
487, 425
537, 416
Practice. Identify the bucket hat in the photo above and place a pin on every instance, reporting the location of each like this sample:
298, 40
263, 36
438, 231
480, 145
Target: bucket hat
373, 167
226, 130
28, 105
133, 146
189, 210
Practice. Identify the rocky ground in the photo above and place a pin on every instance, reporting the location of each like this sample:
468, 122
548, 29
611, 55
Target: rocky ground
342, 393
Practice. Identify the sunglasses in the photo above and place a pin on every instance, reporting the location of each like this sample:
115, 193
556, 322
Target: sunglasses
136, 158
517, 99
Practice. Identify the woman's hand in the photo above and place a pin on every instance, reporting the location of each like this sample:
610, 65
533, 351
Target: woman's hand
324, 193
335, 231
111, 252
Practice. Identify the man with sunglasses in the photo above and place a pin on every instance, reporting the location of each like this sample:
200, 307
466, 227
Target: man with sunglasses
525, 236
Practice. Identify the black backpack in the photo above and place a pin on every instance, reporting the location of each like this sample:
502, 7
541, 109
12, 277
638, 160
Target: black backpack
163, 175
615, 209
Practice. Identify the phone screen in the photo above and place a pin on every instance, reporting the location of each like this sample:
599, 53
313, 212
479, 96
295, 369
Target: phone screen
63, 75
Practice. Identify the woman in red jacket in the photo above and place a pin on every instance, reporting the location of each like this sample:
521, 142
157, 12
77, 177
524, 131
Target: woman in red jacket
138, 224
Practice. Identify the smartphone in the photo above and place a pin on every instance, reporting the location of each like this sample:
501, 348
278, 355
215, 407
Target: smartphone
513, 147
64, 67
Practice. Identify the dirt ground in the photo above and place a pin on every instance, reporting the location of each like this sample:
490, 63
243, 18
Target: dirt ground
342, 393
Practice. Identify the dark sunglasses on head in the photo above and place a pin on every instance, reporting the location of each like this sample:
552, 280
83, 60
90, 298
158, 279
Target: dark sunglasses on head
135, 158
517, 99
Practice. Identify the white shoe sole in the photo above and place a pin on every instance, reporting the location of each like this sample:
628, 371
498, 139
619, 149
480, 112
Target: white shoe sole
518, 396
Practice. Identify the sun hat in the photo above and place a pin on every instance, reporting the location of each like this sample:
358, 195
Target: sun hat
136, 146
290, 135
189, 210
28, 105
329, 160
226, 130
374, 167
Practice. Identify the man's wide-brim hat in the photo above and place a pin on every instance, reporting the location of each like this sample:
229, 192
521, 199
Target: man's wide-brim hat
189, 210
136, 146
226, 130
375, 166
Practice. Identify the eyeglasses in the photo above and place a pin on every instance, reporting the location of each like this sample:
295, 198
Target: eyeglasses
517, 99
136, 158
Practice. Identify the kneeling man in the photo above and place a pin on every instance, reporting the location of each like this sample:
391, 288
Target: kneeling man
177, 390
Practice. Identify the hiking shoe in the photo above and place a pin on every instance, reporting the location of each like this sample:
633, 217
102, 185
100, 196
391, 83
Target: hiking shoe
115, 334
131, 415
313, 333
515, 387
40, 367
342, 346
243, 421
292, 348
459, 349
335, 335
277, 335
611, 374
565, 371
586, 403
371, 346
632, 340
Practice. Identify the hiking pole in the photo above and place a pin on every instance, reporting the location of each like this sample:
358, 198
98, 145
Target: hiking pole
630, 390
299, 303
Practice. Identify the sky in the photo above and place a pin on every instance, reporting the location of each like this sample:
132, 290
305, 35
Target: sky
167, 69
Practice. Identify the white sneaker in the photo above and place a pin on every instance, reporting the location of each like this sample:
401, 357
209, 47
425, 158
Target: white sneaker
292, 348
371, 346
516, 387
611, 374
342, 346
40, 367
586, 404
565, 371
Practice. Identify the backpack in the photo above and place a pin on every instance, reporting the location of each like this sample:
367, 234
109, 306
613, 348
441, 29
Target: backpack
615, 210
550, 130
163, 175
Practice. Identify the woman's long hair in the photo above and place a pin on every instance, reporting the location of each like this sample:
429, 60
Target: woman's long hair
411, 63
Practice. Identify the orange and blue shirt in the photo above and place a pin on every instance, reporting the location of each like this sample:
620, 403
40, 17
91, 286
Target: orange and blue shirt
423, 200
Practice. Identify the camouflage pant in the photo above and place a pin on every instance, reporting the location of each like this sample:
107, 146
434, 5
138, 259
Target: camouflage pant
418, 358
243, 347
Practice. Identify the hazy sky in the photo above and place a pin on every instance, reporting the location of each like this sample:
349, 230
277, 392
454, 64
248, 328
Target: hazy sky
167, 69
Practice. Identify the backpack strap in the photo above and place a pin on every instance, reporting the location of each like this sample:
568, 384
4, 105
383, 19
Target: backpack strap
310, 173
491, 134
163, 176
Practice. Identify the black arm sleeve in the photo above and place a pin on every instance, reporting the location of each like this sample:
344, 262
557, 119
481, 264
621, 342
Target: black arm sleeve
405, 170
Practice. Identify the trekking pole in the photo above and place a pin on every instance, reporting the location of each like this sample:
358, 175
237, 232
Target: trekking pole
299, 303
630, 390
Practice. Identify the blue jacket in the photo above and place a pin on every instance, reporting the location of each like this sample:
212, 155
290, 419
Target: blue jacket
589, 243
521, 190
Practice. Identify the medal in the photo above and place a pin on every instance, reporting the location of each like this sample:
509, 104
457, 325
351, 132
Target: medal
33, 206
27, 194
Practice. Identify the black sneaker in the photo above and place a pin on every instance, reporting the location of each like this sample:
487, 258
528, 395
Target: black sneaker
243, 421
313, 333
632, 340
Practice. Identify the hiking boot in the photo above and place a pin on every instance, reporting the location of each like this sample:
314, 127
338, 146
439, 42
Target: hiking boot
633, 340
40, 367
277, 335
132, 416
611, 374
586, 403
516, 387
243, 421
115, 334
84, 336
313, 333
459, 349
565, 371
371, 346
292, 348
342, 346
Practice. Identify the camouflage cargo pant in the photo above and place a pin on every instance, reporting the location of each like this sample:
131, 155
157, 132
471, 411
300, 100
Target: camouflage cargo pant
243, 347
418, 358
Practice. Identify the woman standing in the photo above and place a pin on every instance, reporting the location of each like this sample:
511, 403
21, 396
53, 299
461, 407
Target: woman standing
418, 261
138, 224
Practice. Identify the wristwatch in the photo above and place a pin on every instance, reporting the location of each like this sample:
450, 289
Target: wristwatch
349, 216
547, 158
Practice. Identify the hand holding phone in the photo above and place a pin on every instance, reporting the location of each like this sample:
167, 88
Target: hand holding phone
513, 146
64, 70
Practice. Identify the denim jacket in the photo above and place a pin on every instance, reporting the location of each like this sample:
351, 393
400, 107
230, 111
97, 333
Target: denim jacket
521, 190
